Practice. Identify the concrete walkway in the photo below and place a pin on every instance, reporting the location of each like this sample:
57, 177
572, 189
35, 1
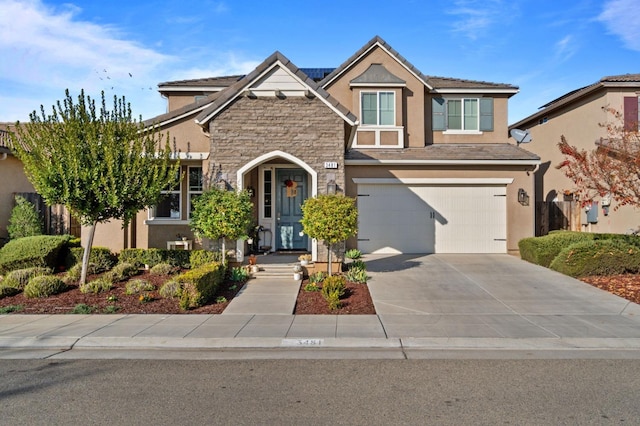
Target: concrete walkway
436, 306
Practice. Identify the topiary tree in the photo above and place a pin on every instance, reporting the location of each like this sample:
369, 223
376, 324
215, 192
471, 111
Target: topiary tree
220, 214
330, 218
25, 220
101, 164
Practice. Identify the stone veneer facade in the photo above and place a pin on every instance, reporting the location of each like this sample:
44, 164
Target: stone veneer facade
304, 128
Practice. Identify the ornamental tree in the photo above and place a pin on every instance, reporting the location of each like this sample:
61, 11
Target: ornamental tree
330, 218
25, 221
100, 164
221, 214
611, 169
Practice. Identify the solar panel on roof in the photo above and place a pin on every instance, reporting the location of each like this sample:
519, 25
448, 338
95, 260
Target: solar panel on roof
317, 74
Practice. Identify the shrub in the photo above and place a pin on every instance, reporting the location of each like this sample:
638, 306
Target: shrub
20, 277
357, 275
598, 257
122, 272
97, 286
135, 256
198, 286
163, 269
82, 308
101, 258
542, 250
353, 254
25, 221
333, 288
8, 290
170, 289
153, 256
138, 286
44, 286
41, 250
202, 257
11, 308
317, 277
73, 274
311, 287
357, 264
239, 274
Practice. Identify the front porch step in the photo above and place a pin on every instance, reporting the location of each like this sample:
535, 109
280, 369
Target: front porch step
271, 271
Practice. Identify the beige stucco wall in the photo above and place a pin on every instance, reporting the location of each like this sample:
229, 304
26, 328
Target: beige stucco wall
579, 123
409, 107
520, 218
500, 123
13, 180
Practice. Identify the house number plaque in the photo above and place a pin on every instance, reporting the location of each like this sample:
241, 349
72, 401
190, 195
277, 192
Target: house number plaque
330, 165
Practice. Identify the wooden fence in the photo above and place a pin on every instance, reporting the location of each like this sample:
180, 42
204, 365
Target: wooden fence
557, 215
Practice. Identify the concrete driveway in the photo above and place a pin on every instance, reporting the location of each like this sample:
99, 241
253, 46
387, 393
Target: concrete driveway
474, 295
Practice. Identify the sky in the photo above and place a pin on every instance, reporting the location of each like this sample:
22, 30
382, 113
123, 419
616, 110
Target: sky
546, 48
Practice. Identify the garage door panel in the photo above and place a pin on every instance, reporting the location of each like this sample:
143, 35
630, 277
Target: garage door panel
432, 219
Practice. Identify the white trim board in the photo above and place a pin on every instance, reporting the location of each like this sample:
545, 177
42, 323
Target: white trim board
433, 181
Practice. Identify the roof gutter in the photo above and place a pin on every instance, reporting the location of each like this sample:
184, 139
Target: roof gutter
372, 162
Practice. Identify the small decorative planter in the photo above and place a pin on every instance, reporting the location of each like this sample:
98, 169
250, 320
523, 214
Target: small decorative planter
297, 276
255, 269
304, 262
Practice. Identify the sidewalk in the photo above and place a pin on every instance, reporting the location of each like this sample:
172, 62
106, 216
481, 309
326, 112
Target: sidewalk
452, 306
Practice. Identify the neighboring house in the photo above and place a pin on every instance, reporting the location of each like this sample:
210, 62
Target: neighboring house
577, 115
12, 177
14, 182
427, 158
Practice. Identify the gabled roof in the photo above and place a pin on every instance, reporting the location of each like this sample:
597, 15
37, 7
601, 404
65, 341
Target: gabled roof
199, 84
435, 84
276, 59
183, 112
615, 81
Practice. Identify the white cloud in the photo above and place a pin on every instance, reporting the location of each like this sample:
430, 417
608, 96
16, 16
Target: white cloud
51, 50
565, 48
477, 16
622, 18
225, 64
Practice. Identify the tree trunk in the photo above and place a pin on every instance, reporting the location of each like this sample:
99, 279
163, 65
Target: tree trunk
329, 259
224, 253
87, 252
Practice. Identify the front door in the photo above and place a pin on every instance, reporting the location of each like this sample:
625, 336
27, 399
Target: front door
291, 191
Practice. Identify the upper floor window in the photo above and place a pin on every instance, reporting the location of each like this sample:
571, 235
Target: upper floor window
462, 114
169, 205
378, 108
632, 113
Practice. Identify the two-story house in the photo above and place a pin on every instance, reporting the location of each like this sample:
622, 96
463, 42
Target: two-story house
581, 117
427, 158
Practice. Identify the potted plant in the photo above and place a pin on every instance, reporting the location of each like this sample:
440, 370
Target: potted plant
297, 272
304, 259
253, 264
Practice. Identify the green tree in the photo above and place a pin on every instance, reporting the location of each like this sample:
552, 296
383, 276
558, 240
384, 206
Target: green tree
330, 218
101, 164
220, 214
25, 220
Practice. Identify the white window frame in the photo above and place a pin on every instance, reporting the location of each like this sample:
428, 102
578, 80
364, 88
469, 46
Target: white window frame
191, 192
462, 130
378, 111
152, 211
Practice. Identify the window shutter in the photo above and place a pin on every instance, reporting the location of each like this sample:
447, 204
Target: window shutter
486, 114
631, 113
438, 116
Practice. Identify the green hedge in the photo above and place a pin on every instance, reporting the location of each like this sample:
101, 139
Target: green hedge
40, 250
154, 256
199, 285
202, 257
44, 286
598, 257
101, 257
542, 250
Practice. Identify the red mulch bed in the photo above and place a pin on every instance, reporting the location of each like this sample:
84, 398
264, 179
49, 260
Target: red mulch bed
625, 286
356, 301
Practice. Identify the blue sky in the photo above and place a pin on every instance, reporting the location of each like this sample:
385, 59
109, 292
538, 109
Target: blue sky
547, 48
